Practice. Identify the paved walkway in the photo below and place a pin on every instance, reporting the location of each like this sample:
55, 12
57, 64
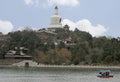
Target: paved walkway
35, 64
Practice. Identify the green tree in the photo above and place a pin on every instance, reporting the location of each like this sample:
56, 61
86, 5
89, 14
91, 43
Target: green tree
58, 56
28, 39
39, 56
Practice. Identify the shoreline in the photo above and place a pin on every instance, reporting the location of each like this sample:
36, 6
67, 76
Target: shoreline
34, 64
66, 66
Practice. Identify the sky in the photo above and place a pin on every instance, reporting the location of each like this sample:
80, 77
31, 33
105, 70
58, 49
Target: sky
98, 17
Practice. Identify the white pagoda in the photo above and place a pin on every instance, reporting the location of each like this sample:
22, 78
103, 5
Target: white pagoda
55, 21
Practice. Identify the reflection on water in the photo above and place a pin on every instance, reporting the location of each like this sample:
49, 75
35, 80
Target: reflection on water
10, 74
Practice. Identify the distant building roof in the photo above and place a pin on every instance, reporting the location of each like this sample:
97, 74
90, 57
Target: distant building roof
18, 57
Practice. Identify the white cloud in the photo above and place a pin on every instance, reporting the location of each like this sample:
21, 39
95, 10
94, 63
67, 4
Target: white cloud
5, 26
65, 2
29, 2
32, 2
86, 25
44, 3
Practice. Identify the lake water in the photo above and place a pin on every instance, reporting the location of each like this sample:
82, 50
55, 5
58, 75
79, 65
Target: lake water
10, 74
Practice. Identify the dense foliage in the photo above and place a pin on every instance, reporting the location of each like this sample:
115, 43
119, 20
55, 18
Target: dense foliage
64, 47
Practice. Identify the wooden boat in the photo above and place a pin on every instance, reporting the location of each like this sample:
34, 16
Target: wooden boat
105, 74
110, 76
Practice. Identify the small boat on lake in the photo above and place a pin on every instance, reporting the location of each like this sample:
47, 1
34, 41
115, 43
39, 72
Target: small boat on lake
105, 74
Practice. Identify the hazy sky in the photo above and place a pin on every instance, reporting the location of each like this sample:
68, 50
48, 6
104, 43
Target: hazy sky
98, 17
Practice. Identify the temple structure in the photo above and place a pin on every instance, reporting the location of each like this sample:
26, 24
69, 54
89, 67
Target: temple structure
55, 21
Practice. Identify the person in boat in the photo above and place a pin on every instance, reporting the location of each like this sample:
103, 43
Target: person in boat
107, 73
104, 73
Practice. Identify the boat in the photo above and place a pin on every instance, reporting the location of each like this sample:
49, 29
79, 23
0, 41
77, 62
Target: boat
105, 74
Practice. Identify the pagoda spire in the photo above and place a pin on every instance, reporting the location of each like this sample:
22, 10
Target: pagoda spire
56, 10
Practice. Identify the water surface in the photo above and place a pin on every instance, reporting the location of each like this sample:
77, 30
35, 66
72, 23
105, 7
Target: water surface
52, 74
